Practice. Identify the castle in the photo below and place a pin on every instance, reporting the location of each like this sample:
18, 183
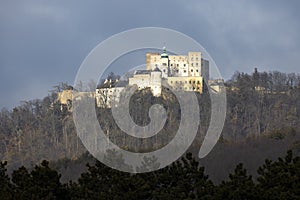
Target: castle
180, 72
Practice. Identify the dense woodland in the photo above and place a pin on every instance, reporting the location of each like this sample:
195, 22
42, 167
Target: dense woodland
184, 179
263, 121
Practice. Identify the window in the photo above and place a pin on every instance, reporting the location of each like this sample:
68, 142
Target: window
190, 82
192, 70
164, 64
196, 64
171, 64
164, 70
192, 64
184, 65
184, 71
198, 82
177, 70
177, 65
197, 70
197, 58
171, 81
194, 81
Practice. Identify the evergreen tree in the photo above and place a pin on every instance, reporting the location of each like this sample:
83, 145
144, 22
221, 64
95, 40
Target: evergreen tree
239, 186
280, 179
184, 179
41, 183
6, 187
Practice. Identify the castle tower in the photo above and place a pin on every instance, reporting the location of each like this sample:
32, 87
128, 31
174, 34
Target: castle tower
164, 59
194, 63
155, 81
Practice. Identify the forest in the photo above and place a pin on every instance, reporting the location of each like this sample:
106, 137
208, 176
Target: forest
184, 179
262, 121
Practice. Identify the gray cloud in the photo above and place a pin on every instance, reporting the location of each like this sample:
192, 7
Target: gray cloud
43, 43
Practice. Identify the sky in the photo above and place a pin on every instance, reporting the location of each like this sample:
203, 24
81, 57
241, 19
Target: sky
43, 43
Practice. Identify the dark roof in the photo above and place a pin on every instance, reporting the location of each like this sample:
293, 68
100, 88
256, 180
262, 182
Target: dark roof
114, 83
121, 83
157, 69
142, 72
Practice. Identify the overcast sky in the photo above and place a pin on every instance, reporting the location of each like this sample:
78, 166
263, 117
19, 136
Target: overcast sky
43, 43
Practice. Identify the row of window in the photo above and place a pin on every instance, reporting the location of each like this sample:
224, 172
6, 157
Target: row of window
186, 88
184, 71
184, 58
193, 58
177, 65
179, 59
105, 91
190, 82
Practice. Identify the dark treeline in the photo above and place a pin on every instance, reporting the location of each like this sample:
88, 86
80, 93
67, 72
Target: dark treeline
274, 81
184, 179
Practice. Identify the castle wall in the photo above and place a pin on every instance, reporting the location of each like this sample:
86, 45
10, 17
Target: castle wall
152, 79
178, 65
192, 84
65, 96
181, 72
105, 97
141, 80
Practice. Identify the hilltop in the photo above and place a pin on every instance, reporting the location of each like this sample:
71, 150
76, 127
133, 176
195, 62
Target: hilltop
263, 115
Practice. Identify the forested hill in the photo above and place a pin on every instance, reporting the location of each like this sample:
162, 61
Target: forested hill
263, 108
262, 104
